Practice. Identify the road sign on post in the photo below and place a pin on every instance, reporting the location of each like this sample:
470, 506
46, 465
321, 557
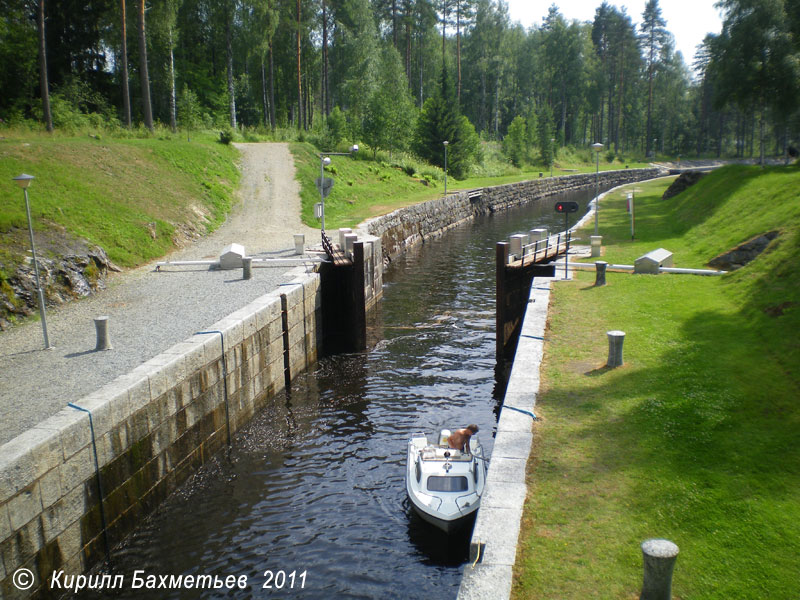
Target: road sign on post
324, 185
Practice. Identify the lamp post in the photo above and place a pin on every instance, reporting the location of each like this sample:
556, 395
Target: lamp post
445, 144
553, 157
24, 181
597, 146
324, 160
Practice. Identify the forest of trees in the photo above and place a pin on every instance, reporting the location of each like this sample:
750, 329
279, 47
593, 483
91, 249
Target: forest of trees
374, 71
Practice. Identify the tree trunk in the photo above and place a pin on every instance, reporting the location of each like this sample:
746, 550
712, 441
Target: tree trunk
43, 85
394, 23
264, 92
173, 103
271, 89
126, 94
325, 100
144, 77
229, 66
458, 51
299, 74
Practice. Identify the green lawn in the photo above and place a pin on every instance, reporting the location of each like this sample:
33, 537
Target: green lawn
695, 438
365, 188
126, 195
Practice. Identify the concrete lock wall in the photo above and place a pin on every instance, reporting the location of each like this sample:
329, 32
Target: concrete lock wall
153, 427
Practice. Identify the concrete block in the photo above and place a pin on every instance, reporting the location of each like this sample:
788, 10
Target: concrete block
138, 390
73, 428
270, 310
485, 582
50, 487
513, 445
25, 506
652, 261
77, 469
26, 458
505, 495
231, 257
100, 408
5, 523
194, 354
504, 470
64, 514
70, 540
513, 420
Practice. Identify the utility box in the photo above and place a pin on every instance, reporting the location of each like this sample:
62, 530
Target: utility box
652, 261
231, 257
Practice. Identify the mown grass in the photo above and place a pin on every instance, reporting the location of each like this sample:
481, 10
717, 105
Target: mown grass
365, 188
125, 195
695, 438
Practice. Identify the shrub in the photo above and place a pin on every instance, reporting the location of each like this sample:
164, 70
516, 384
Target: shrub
226, 136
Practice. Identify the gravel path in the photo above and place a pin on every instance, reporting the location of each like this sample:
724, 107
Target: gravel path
150, 311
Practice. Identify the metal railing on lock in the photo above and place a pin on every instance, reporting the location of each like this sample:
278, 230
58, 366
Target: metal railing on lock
547, 248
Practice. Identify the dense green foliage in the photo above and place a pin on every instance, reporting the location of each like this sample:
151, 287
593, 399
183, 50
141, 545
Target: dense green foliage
277, 63
694, 438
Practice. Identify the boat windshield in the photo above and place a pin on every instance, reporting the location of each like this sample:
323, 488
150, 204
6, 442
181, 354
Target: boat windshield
438, 483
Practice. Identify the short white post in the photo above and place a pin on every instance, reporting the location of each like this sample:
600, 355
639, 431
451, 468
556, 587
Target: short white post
615, 341
517, 242
349, 240
101, 328
247, 267
597, 244
343, 231
659, 562
299, 243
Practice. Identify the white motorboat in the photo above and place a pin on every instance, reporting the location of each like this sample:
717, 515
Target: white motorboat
445, 485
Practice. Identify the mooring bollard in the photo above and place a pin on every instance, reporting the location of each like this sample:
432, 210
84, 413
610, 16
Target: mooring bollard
101, 327
299, 243
615, 341
247, 267
600, 273
659, 561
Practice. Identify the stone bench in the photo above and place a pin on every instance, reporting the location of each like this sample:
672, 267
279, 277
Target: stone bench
653, 261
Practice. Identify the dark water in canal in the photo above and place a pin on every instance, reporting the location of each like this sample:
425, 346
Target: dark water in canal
314, 486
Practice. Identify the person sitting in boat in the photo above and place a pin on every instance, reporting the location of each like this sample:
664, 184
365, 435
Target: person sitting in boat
459, 439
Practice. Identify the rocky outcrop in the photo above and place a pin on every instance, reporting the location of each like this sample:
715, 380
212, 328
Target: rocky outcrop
63, 278
685, 180
743, 253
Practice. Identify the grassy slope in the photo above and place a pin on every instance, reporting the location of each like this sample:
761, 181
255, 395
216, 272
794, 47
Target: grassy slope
109, 190
364, 188
695, 438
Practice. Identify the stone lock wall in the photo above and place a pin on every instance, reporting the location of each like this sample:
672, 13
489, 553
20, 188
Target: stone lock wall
153, 427
411, 225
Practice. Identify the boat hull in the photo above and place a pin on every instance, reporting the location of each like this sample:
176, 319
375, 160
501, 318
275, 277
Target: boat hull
446, 525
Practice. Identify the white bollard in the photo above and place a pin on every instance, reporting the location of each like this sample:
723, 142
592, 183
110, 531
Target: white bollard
299, 243
349, 240
597, 244
103, 339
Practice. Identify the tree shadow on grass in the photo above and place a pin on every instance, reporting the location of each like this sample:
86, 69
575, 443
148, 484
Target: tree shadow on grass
709, 440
